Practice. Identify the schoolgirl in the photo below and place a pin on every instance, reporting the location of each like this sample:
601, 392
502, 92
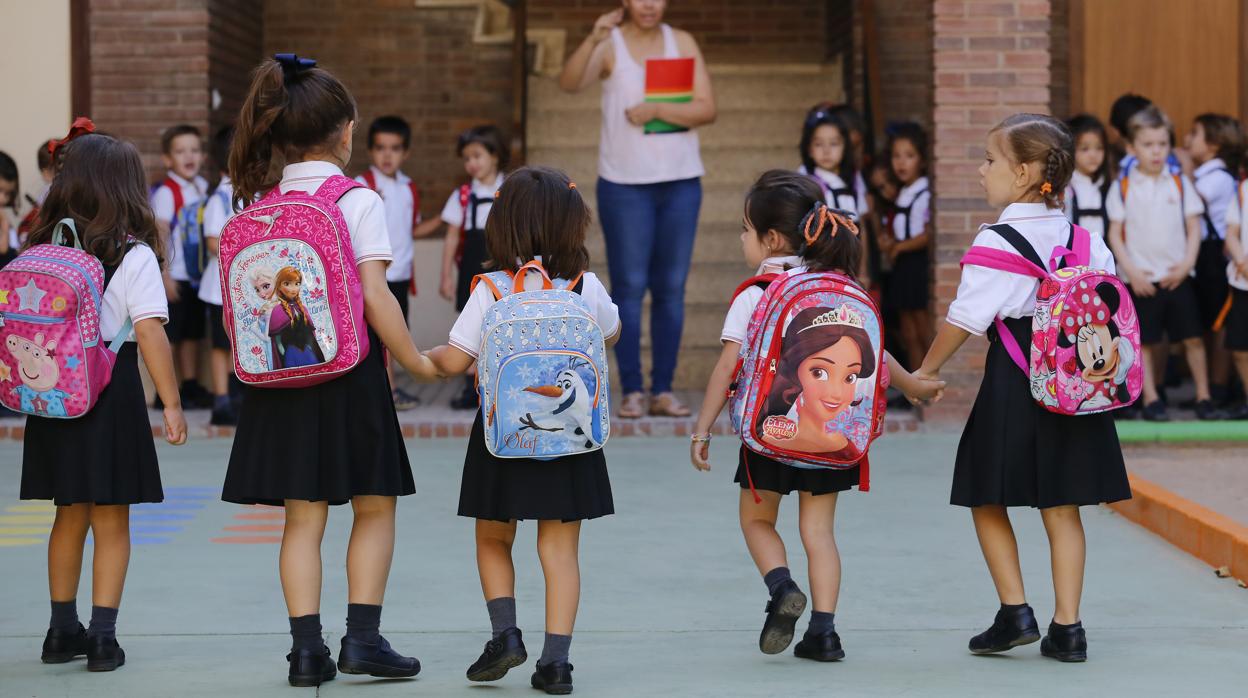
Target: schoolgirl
908, 287
1092, 178
827, 155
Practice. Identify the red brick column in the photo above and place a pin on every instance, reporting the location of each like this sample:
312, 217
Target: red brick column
991, 60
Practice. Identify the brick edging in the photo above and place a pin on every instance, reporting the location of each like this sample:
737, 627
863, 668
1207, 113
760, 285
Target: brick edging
1198, 530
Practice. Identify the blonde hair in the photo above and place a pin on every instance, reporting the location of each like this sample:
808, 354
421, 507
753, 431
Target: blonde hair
1041, 138
1148, 117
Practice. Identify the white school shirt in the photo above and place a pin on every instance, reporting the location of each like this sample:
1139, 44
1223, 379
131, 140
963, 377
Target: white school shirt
396, 196
361, 208
1156, 219
1216, 186
984, 293
738, 319
854, 202
466, 334
216, 212
906, 227
136, 291
1234, 216
162, 206
1088, 192
453, 213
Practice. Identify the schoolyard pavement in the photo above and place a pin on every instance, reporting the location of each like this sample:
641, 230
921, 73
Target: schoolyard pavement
671, 603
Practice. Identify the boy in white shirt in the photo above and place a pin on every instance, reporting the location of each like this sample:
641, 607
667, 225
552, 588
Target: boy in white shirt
1154, 231
183, 153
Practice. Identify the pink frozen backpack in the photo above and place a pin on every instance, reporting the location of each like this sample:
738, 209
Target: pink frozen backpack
293, 304
54, 363
1085, 335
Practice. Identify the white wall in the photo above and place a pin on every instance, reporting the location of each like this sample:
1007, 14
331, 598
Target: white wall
34, 65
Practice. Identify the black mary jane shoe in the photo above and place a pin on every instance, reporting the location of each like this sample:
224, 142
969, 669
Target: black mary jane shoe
104, 654
783, 610
1010, 629
61, 646
501, 654
554, 678
311, 667
375, 659
1065, 643
825, 647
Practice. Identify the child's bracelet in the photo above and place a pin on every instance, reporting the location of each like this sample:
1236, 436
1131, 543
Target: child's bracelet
700, 438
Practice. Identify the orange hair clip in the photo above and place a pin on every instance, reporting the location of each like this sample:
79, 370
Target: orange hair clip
1046, 188
571, 185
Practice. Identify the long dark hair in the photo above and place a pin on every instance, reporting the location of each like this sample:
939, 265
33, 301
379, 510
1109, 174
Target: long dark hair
8, 170
802, 339
538, 211
101, 185
1080, 124
827, 116
288, 113
1225, 133
784, 201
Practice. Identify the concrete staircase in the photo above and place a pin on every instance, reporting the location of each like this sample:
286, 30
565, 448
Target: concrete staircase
761, 108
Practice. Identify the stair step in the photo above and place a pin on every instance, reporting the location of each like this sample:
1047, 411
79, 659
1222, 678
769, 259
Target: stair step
763, 125
738, 166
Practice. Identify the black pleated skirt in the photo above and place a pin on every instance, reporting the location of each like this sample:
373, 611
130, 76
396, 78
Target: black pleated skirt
107, 456
1014, 452
328, 442
907, 287
572, 488
774, 476
472, 261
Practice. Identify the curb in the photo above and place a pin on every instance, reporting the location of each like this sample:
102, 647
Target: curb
1176, 432
1195, 529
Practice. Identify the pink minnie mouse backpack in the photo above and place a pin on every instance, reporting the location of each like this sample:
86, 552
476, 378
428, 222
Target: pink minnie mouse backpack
810, 382
54, 362
1085, 339
293, 303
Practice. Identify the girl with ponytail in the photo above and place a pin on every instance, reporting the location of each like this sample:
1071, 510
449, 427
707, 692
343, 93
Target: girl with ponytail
788, 228
295, 132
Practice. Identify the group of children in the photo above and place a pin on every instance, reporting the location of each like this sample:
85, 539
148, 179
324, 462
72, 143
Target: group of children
1013, 452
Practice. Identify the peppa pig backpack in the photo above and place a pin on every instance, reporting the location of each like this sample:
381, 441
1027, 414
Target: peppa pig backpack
293, 303
54, 363
1085, 342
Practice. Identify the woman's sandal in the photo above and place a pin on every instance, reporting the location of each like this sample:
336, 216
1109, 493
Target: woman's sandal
633, 407
666, 405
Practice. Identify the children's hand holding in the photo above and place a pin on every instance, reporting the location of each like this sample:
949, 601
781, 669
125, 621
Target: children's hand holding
425, 368
175, 425
700, 452
924, 388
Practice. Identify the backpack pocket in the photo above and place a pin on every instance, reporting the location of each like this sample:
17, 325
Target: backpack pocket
544, 404
32, 369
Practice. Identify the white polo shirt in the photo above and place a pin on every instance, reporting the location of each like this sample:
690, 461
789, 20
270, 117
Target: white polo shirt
361, 208
1088, 194
163, 208
136, 291
396, 196
737, 322
920, 203
1156, 215
1234, 216
1216, 186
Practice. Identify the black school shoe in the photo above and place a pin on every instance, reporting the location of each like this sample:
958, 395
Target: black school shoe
1065, 643
783, 610
554, 678
104, 654
821, 648
311, 667
1155, 411
224, 417
1238, 413
1207, 412
501, 654
1010, 629
61, 646
377, 659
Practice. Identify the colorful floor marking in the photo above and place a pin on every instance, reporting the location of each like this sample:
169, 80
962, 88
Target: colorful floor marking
259, 512
28, 523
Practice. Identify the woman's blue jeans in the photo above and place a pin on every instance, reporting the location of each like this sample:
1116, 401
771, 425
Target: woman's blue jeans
649, 230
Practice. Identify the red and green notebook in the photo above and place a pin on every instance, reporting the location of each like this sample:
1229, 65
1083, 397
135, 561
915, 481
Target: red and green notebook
668, 80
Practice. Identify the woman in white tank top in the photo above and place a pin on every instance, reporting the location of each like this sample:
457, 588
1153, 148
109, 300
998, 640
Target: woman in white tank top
649, 187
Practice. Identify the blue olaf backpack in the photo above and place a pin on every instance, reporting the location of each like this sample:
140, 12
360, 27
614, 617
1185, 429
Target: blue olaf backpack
541, 369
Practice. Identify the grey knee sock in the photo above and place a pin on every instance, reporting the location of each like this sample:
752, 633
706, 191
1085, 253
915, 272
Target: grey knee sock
305, 632
821, 623
775, 578
555, 649
364, 622
502, 613
64, 615
103, 622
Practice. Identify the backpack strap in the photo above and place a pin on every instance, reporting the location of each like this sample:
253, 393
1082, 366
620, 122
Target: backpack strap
178, 201
1078, 249
415, 201
334, 187
370, 179
575, 284
533, 265
1026, 262
761, 281
499, 283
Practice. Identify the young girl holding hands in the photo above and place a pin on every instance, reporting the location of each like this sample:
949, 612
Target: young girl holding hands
1014, 452
772, 241
338, 441
539, 215
94, 467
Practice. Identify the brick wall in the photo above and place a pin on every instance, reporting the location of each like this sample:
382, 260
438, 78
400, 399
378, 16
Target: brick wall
1059, 56
734, 31
904, 36
149, 69
397, 59
992, 60
235, 37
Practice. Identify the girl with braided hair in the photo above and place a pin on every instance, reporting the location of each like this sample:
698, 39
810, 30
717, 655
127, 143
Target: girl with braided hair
788, 229
1013, 451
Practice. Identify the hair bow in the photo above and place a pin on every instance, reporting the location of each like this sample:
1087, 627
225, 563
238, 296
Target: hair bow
292, 64
80, 126
822, 216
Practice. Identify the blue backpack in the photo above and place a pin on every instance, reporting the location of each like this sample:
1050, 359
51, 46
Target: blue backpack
190, 219
541, 370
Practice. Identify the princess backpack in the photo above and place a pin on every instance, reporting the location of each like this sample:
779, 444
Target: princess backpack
1085, 335
541, 369
293, 303
54, 363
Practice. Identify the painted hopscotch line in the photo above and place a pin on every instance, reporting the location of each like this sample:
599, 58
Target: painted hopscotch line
252, 531
27, 523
